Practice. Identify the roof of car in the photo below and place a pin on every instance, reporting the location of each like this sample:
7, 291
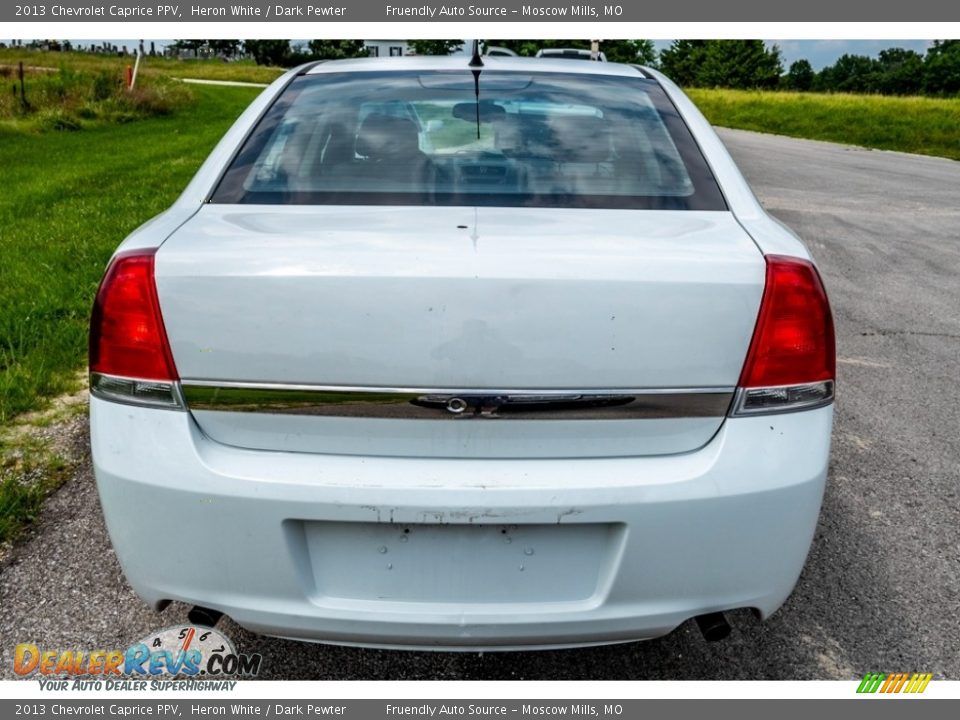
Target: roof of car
459, 62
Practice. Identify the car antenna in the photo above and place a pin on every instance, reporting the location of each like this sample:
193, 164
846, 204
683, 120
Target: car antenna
476, 63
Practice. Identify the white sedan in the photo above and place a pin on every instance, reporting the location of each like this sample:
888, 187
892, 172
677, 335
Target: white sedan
469, 356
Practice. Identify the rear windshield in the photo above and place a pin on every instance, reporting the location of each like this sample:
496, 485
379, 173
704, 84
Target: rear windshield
512, 140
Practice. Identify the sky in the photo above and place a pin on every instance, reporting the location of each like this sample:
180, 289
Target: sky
820, 53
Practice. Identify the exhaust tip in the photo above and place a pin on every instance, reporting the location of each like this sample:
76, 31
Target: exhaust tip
713, 626
204, 616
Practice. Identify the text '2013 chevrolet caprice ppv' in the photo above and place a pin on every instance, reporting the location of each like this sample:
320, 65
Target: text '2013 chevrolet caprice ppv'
464, 354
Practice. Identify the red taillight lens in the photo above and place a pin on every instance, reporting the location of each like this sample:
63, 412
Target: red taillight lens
793, 342
127, 337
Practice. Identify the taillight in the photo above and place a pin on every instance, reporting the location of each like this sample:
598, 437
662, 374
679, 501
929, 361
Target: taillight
130, 359
791, 363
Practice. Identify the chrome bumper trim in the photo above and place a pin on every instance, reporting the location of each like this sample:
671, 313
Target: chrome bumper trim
458, 404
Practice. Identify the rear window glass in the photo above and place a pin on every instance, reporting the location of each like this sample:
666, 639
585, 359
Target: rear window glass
536, 139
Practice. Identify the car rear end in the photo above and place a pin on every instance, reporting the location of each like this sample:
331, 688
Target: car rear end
464, 366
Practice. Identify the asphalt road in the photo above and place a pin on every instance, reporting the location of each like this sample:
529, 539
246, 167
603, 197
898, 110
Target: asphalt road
881, 589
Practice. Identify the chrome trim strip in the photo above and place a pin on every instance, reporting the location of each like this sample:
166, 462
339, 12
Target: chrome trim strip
193, 383
457, 404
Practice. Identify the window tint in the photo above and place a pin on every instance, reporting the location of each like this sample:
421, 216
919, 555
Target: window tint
545, 139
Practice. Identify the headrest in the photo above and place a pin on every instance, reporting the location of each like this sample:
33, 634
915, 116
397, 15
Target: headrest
387, 136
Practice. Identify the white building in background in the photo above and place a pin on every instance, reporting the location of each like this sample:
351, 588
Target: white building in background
387, 48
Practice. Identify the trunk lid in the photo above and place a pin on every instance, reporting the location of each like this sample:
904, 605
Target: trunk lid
450, 299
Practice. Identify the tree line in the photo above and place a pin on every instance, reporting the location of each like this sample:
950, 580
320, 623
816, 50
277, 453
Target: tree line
744, 64
749, 64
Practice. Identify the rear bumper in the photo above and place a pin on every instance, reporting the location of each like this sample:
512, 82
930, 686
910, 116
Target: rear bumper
469, 554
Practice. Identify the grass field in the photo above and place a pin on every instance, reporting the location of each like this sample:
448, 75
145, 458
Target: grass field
927, 126
68, 99
243, 70
68, 200
75, 91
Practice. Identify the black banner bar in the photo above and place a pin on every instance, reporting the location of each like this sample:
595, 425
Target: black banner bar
479, 11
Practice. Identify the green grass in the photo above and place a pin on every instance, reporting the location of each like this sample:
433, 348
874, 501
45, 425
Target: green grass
73, 91
29, 470
243, 70
68, 200
927, 126
38, 452
70, 99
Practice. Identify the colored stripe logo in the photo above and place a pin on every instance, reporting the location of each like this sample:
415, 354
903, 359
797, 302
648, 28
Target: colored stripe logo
894, 683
